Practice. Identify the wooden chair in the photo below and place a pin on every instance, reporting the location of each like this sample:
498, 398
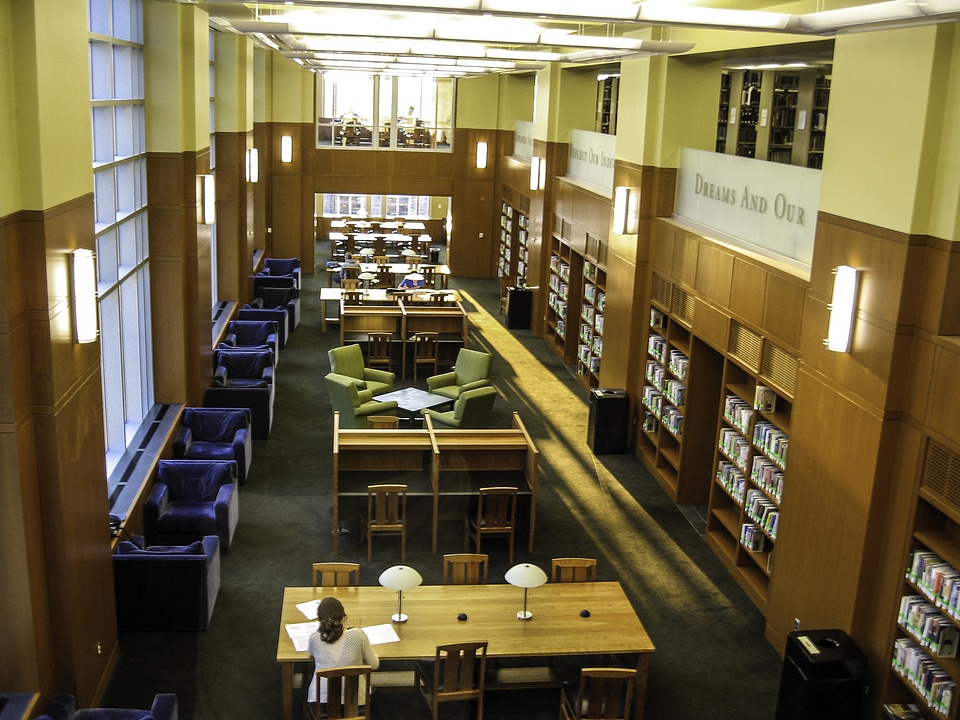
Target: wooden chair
465, 569
383, 422
456, 673
429, 275
351, 684
603, 694
381, 260
350, 284
352, 297
495, 514
379, 350
384, 276
425, 347
336, 574
574, 570
386, 515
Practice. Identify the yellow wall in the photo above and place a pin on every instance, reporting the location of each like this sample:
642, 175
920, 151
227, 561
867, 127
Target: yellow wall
9, 168
478, 102
516, 100
263, 90
292, 95
234, 83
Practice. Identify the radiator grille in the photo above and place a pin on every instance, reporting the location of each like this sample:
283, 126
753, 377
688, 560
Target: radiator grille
745, 345
941, 474
662, 290
683, 305
780, 367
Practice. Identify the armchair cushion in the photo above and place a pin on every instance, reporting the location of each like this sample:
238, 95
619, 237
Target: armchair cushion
471, 371
285, 297
252, 333
354, 405
348, 361
166, 587
239, 368
216, 434
256, 311
64, 707
472, 410
289, 267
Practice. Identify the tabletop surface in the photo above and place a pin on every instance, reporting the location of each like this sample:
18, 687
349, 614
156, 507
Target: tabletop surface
412, 399
556, 628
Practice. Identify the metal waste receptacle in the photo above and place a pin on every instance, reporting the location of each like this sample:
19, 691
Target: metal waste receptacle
607, 425
822, 677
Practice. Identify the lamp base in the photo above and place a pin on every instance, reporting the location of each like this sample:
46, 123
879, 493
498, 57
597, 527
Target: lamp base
524, 615
398, 618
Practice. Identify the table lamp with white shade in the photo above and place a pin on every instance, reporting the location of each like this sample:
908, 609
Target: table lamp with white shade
366, 252
366, 277
400, 578
526, 576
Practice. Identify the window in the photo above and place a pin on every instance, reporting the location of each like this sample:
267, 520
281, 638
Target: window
214, 283
382, 111
405, 206
120, 200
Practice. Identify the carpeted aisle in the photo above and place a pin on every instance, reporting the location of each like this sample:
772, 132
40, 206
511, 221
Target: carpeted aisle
711, 662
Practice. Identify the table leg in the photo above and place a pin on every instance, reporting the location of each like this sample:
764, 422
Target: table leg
286, 689
640, 688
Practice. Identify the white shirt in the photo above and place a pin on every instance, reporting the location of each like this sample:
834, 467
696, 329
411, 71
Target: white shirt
351, 648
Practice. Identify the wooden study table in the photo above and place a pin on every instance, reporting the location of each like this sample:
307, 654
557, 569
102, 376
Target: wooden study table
441, 272
377, 296
556, 628
434, 454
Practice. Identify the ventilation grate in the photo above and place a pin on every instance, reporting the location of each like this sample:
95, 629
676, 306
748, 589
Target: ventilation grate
745, 345
683, 305
941, 474
780, 367
662, 290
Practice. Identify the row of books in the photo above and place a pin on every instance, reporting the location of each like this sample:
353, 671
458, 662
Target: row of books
657, 319
763, 511
655, 374
601, 300
589, 271
902, 711
560, 268
932, 682
560, 287
672, 420
753, 538
932, 628
506, 209
764, 399
939, 581
773, 441
735, 446
586, 332
650, 422
678, 363
652, 399
561, 328
738, 413
656, 346
557, 303
523, 221
589, 292
768, 477
676, 392
732, 479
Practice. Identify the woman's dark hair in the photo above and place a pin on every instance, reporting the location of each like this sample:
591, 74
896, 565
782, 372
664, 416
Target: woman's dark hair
331, 615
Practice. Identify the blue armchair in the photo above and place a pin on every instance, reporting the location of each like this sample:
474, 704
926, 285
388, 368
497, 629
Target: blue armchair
216, 434
284, 295
283, 267
191, 499
260, 334
166, 587
256, 311
244, 379
64, 707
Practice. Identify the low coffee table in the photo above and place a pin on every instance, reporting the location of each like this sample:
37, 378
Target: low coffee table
413, 401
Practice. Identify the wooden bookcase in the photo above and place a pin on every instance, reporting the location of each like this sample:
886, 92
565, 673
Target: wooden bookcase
563, 299
590, 336
749, 469
679, 400
513, 257
749, 114
783, 118
608, 94
723, 114
818, 122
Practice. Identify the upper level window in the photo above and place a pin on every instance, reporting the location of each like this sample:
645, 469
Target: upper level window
359, 206
384, 111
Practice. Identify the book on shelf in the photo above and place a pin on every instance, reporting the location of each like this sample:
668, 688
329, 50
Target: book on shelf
902, 711
765, 400
656, 319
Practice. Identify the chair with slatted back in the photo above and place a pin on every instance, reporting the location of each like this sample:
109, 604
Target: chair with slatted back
429, 275
350, 284
425, 347
455, 674
465, 569
383, 422
350, 683
386, 515
602, 694
574, 569
352, 297
379, 350
336, 574
384, 276
381, 260
494, 514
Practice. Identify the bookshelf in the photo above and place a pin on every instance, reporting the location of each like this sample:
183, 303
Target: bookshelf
513, 256
608, 94
818, 122
749, 116
563, 297
749, 469
590, 336
723, 113
783, 118
678, 413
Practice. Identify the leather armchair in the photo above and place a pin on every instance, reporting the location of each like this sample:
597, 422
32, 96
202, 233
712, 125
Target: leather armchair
252, 334
279, 292
64, 707
256, 311
471, 371
191, 499
353, 404
283, 267
216, 434
348, 360
244, 379
166, 587
472, 410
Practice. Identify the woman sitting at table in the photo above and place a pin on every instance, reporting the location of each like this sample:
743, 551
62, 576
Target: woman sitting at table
413, 280
332, 646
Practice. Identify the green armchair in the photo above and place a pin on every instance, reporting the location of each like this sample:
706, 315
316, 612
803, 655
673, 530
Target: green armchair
354, 404
471, 371
348, 360
472, 410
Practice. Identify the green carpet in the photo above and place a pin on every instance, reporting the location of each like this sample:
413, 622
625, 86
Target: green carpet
711, 661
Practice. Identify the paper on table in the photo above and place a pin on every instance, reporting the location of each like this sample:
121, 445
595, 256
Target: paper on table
309, 608
380, 634
300, 634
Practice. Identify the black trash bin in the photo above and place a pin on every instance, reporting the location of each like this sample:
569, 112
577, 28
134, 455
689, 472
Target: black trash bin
607, 425
822, 677
519, 308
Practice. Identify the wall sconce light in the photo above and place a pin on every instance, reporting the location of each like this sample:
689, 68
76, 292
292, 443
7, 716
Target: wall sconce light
526, 576
842, 308
206, 200
625, 201
253, 165
286, 148
538, 169
481, 155
400, 578
83, 273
